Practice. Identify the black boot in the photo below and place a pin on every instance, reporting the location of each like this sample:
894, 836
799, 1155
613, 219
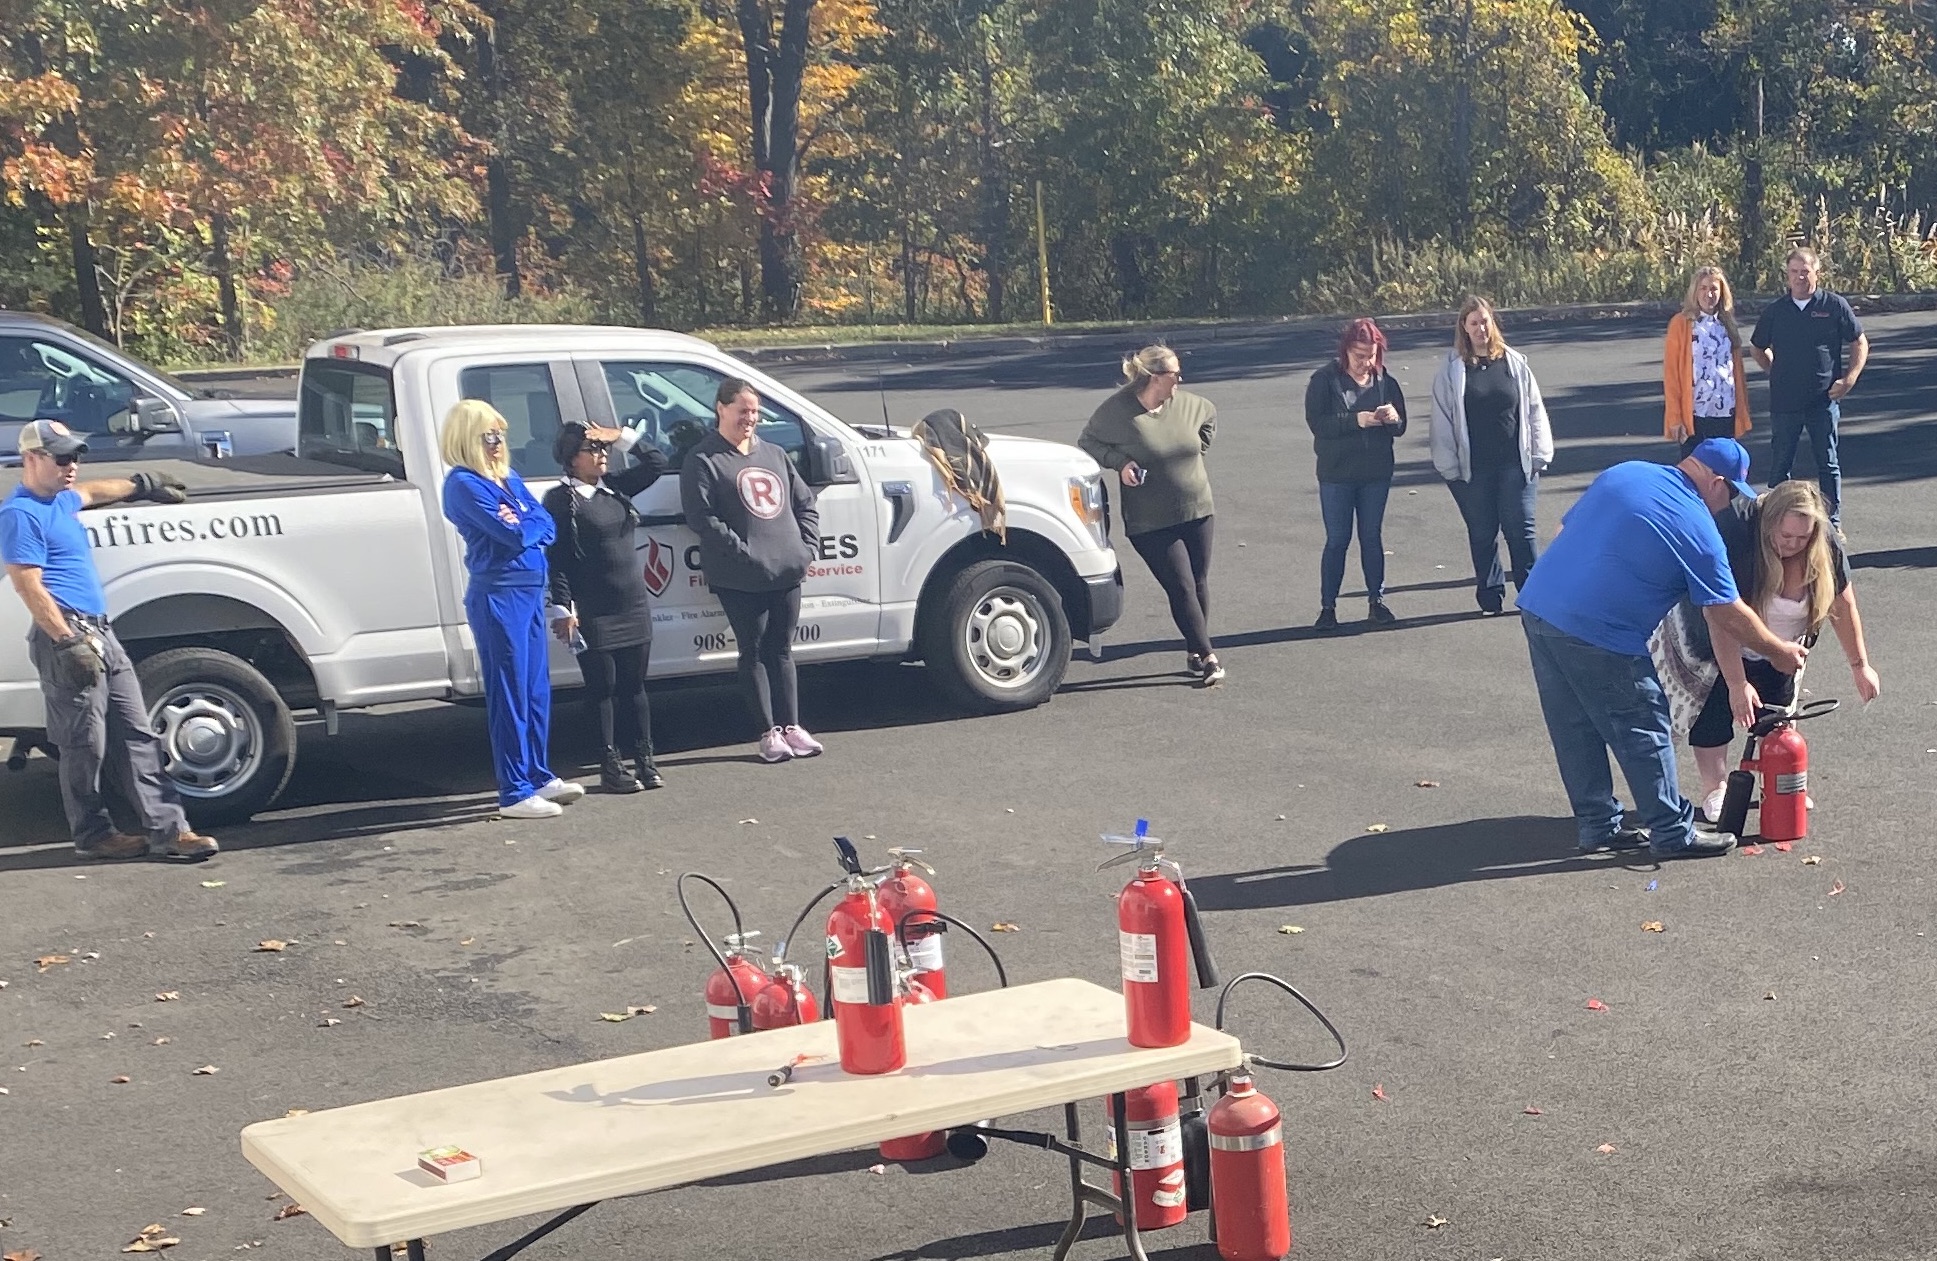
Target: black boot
614, 777
649, 776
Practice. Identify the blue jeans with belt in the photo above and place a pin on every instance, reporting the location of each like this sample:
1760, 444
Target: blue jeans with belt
1786, 429
1596, 701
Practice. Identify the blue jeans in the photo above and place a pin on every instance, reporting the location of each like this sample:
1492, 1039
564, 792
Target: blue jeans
1785, 435
1595, 701
1340, 502
1496, 502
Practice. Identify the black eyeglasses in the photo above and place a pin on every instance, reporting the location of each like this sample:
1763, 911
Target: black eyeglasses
66, 461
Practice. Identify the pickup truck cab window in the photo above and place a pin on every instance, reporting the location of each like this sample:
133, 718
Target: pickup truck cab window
42, 381
347, 415
524, 395
671, 406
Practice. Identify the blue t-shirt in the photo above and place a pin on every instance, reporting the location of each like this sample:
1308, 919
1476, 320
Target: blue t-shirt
1637, 542
48, 534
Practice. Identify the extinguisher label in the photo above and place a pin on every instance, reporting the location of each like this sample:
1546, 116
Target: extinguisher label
1159, 1148
1791, 784
833, 946
1139, 953
1171, 1190
718, 1012
1248, 1142
925, 954
850, 984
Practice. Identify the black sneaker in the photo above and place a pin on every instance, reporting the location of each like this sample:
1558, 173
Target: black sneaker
1701, 844
1624, 840
1327, 620
615, 778
1213, 672
643, 769
1380, 615
1193, 665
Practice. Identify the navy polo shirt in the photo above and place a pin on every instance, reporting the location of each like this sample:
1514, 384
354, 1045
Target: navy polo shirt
48, 535
1629, 550
1808, 344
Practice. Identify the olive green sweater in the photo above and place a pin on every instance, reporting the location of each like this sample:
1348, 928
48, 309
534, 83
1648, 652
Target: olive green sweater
1167, 444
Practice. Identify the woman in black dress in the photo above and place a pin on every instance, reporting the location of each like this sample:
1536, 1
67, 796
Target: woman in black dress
598, 592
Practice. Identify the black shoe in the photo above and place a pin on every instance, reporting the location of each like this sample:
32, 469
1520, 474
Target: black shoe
1624, 840
1700, 845
1193, 665
1380, 615
1327, 620
614, 777
1213, 672
643, 768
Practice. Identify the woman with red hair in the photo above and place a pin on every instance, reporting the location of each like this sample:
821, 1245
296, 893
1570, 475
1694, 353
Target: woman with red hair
1355, 410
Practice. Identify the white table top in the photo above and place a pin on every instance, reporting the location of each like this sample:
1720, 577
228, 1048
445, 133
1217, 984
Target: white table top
567, 1136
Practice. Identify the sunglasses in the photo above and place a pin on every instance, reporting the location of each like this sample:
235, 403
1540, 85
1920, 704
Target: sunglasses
596, 448
66, 461
492, 437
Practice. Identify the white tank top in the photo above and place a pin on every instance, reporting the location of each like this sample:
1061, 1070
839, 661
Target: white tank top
1786, 619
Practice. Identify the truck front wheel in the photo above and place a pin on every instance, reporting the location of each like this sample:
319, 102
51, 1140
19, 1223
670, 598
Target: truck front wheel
997, 638
227, 737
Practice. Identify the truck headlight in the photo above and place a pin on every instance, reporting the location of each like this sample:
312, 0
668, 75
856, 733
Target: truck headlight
1086, 500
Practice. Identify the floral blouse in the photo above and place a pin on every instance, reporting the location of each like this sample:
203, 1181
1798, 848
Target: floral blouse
1714, 368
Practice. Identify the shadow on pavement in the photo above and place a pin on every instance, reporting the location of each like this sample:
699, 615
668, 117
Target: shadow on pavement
1401, 862
1281, 635
1898, 558
1039, 1239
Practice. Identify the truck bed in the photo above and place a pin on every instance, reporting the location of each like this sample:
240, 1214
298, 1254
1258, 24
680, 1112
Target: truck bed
245, 477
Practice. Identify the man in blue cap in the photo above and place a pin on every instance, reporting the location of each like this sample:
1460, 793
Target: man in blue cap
1641, 538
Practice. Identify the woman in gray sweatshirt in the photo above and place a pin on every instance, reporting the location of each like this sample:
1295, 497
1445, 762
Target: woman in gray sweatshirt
757, 530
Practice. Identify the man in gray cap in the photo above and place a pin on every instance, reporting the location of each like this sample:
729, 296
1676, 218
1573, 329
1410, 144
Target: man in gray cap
95, 713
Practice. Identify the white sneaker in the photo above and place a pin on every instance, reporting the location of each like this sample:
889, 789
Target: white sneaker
1712, 804
561, 791
532, 807
774, 747
802, 744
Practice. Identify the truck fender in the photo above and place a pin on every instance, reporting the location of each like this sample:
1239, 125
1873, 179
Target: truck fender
152, 584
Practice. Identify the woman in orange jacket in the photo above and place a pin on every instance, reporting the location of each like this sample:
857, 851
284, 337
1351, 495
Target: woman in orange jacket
1702, 383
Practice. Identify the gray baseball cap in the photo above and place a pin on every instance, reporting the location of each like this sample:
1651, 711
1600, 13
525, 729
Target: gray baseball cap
50, 437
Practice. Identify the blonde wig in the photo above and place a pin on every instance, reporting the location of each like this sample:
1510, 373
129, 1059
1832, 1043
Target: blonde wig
462, 442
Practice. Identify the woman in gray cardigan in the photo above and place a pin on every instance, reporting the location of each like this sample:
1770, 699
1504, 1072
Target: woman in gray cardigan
1491, 441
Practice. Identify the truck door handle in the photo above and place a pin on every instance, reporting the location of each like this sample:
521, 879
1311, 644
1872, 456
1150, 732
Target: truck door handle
901, 495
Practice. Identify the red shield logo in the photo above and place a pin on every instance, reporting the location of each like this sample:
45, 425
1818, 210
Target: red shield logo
659, 566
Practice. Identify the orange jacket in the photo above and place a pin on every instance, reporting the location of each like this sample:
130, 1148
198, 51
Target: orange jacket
1678, 382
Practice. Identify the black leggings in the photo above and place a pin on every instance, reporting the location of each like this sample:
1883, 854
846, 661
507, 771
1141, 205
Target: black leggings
763, 623
615, 688
1715, 726
1179, 557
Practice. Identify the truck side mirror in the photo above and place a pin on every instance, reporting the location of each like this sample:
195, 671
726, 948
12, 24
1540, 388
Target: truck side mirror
827, 462
153, 415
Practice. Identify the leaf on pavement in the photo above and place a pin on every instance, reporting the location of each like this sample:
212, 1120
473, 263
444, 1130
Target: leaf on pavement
1606, 1149
1531, 1111
35, 1042
642, 1009
616, 1017
297, 1112
45, 962
1595, 1004
1814, 860
1290, 930
328, 1022
1770, 997
353, 1001
272, 946
118, 1081
1377, 827
1378, 1092
1004, 927
26, 1255
744, 822
193, 1212
1783, 847
206, 1070
405, 923
152, 1239
213, 884
168, 996
1653, 926
161, 1042
1836, 888
1435, 1221
1427, 783
1750, 850
288, 1211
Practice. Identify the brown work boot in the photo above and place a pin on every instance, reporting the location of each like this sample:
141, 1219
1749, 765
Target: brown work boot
115, 845
191, 845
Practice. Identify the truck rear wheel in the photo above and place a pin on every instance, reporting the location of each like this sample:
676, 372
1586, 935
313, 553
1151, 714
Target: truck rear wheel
997, 638
228, 739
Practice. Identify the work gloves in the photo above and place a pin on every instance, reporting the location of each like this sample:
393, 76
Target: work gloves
159, 488
77, 663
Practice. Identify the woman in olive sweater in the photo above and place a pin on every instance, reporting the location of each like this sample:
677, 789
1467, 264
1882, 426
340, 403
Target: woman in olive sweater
1155, 435
1354, 410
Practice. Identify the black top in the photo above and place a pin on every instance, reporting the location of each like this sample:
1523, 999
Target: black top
755, 517
594, 561
1808, 344
1347, 453
1492, 414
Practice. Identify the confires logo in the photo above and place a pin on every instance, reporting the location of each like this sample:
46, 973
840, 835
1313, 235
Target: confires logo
659, 566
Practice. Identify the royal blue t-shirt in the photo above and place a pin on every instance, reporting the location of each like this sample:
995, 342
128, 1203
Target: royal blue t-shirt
48, 534
1636, 543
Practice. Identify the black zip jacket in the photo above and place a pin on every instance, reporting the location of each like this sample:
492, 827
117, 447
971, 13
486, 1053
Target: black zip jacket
1347, 453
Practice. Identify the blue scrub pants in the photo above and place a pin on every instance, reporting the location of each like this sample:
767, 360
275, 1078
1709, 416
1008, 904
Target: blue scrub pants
509, 625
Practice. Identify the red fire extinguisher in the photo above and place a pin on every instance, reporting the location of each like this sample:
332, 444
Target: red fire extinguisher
1777, 750
1248, 1175
1158, 1193
905, 893
1158, 931
731, 988
785, 1001
934, 1142
867, 1015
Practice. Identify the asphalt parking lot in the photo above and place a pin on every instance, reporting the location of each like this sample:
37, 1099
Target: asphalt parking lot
1756, 1087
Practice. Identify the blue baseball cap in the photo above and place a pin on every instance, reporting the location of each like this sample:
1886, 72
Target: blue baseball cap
1726, 458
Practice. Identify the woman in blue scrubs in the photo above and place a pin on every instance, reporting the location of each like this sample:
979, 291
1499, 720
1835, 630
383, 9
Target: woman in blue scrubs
505, 530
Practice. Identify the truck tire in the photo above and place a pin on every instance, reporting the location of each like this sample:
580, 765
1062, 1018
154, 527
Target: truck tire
997, 638
228, 739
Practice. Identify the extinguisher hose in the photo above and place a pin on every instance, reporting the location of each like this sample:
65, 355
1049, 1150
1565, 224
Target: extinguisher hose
901, 935
1309, 1006
780, 947
739, 932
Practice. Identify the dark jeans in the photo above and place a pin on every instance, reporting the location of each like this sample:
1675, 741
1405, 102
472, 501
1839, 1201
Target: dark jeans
1785, 435
1708, 427
763, 624
1715, 726
1595, 701
1179, 557
615, 690
1498, 502
1341, 502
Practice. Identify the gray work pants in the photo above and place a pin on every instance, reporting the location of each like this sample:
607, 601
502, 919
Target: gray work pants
107, 747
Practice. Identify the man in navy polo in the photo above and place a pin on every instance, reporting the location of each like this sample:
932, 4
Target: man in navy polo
1799, 340
95, 713
1640, 539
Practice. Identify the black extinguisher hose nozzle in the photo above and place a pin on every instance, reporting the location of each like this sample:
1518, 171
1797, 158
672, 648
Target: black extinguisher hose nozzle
1200, 946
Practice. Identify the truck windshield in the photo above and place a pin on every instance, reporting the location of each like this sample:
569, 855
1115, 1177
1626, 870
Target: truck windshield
347, 415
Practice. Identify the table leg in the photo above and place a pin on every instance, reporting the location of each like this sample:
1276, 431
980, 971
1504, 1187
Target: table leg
383, 1254
414, 1250
1120, 1119
1079, 1208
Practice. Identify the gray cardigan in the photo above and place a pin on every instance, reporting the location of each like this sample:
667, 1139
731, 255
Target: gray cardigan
1452, 455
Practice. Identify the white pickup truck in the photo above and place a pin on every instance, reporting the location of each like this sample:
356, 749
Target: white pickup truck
329, 580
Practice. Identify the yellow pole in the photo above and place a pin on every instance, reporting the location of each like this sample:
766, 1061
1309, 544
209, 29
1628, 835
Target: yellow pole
1042, 259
